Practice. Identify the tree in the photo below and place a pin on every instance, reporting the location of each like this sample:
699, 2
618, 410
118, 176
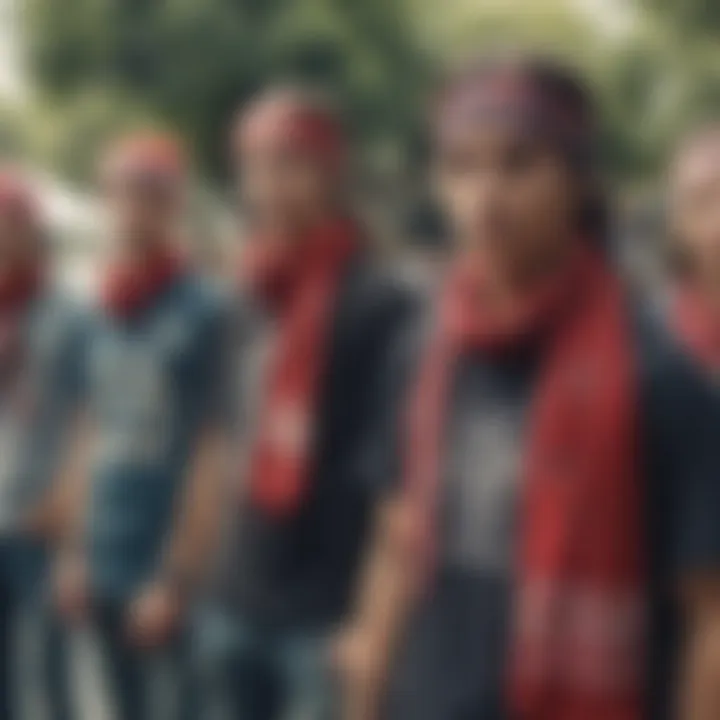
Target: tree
192, 62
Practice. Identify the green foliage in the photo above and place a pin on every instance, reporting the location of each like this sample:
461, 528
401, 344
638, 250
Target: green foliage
692, 17
13, 133
189, 63
192, 62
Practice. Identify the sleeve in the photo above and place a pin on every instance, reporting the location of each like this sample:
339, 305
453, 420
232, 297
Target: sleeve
685, 459
381, 457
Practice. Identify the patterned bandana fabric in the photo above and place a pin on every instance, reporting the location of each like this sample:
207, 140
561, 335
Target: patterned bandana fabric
298, 285
512, 97
578, 631
697, 326
130, 288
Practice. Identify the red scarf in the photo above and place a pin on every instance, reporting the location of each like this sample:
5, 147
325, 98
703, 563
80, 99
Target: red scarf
300, 288
697, 326
577, 651
130, 288
17, 292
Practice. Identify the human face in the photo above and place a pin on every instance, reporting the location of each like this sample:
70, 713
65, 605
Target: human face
695, 204
508, 197
284, 190
139, 214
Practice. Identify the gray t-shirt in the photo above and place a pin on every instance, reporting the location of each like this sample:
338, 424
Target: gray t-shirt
483, 463
464, 624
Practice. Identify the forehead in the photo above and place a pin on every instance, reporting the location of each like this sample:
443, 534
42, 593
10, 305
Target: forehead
490, 137
697, 164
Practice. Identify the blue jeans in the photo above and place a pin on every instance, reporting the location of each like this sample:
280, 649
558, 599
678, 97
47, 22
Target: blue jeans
256, 674
144, 685
26, 616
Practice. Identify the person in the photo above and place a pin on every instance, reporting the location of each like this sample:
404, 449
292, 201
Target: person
39, 332
146, 466
694, 188
554, 521
315, 314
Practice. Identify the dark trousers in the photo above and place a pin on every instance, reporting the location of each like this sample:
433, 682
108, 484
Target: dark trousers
32, 684
142, 684
255, 674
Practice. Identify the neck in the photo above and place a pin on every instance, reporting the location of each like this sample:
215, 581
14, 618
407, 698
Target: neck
506, 284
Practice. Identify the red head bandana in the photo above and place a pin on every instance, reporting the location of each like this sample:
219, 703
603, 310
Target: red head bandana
288, 122
512, 96
148, 159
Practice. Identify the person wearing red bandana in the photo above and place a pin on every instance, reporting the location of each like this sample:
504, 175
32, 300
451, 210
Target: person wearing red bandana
695, 230
316, 314
132, 554
556, 507
40, 333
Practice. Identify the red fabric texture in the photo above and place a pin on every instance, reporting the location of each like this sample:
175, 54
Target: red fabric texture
697, 325
578, 629
128, 288
299, 285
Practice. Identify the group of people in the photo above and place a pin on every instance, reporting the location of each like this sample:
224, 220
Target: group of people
317, 492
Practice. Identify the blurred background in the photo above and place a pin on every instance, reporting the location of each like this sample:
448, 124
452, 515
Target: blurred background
74, 72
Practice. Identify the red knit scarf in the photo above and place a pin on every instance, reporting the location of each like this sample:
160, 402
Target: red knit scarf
130, 288
697, 325
577, 652
300, 287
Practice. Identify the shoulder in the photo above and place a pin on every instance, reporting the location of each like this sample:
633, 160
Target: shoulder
378, 299
673, 387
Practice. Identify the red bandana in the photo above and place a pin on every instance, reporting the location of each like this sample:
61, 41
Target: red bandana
285, 122
128, 289
578, 626
300, 288
697, 326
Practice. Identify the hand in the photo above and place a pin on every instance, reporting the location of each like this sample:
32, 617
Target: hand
360, 669
154, 616
70, 586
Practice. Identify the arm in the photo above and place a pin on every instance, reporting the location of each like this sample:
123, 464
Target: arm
157, 611
69, 500
700, 681
684, 417
386, 591
386, 580
199, 514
